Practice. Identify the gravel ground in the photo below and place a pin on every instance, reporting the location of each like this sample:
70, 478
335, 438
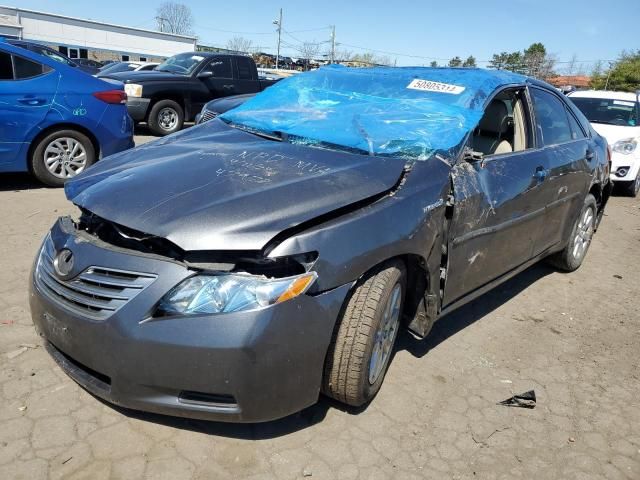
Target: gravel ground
572, 337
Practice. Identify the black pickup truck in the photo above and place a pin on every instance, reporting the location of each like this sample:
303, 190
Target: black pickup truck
178, 88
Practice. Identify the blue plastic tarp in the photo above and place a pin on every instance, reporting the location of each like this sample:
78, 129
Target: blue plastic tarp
407, 112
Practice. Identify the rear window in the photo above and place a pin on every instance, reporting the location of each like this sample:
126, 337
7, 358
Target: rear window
6, 67
24, 68
245, 72
608, 110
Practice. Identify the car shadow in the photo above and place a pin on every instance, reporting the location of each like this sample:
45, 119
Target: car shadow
442, 330
19, 181
454, 322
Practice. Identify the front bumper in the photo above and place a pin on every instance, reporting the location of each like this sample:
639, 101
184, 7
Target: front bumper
137, 108
244, 367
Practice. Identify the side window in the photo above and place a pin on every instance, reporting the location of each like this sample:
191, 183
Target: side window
221, 67
245, 72
6, 67
27, 69
551, 118
576, 130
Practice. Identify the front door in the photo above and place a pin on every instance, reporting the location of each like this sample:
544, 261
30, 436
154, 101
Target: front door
27, 90
499, 199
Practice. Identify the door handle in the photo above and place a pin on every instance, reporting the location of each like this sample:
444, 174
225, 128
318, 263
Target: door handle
228, 87
589, 155
31, 101
541, 174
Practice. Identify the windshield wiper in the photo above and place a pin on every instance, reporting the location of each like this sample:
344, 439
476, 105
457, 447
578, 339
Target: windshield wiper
275, 136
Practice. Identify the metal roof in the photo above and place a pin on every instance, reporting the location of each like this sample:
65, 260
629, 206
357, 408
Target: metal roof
95, 22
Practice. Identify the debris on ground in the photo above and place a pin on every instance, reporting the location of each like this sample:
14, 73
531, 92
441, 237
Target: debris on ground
15, 353
523, 400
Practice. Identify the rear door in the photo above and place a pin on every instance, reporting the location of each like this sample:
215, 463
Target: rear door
247, 75
568, 158
27, 91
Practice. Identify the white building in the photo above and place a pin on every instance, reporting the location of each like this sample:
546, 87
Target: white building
78, 38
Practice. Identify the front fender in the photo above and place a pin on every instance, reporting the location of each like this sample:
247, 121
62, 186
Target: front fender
408, 221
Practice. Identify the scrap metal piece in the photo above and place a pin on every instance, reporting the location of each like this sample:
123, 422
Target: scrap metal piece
523, 400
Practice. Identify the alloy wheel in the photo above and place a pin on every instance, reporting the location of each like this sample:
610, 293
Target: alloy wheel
167, 119
65, 157
584, 233
385, 335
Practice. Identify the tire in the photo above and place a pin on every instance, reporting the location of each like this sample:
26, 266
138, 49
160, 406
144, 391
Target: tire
61, 155
349, 370
572, 256
165, 117
633, 187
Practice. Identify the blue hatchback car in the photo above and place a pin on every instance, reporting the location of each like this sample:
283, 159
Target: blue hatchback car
55, 121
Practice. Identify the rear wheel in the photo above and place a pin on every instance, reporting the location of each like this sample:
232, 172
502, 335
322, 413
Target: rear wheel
61, 155
572, 256
363, 340
165, 117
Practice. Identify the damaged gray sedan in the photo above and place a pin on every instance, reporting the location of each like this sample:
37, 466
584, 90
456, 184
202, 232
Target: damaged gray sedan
237, 269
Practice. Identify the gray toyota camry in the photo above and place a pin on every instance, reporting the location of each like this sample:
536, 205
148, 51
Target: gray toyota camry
236, 270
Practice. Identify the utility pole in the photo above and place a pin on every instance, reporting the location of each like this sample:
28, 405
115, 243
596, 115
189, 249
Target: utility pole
333, 44
161, 21
279, 24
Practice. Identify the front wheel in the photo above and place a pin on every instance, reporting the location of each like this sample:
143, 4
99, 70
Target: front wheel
572, 256
61, 155
165, 117
632, 188
362, 344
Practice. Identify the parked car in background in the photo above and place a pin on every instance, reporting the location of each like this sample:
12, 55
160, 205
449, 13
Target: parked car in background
55, 120
53, 54
616, 116
87, 62
177, 89
241, 268
119, 67
220, 105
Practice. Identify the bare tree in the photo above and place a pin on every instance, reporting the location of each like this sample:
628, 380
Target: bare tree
240, 44
571, 66
174, 18
309, 51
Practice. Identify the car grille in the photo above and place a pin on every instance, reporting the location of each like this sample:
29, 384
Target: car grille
207, 115
97, 292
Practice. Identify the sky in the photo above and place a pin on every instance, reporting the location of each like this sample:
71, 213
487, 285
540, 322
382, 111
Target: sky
411, 33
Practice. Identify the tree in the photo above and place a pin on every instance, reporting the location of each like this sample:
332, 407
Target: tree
470, 62
455, 62
571, 66
534, 61
434, 64
240, 44
623, 75
309, 51
174, 18
537, 62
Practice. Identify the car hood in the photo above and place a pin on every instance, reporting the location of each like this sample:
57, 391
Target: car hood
221, 105
213, 187
614, 133
145, 76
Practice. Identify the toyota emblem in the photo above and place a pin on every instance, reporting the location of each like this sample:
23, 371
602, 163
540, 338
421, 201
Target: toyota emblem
63, 263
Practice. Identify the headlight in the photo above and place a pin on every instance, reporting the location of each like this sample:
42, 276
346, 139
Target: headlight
210, 294
625, 146
133, 90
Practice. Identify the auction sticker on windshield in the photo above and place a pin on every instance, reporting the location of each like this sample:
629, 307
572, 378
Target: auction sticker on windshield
431, 86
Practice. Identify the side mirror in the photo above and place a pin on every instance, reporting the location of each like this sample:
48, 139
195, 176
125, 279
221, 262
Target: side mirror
205, 74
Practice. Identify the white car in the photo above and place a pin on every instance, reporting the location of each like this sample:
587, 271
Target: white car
616, 116
125, 67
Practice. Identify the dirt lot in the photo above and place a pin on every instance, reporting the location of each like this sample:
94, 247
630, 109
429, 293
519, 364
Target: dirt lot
574, 338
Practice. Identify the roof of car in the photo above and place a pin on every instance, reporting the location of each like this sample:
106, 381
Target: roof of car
604, 94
